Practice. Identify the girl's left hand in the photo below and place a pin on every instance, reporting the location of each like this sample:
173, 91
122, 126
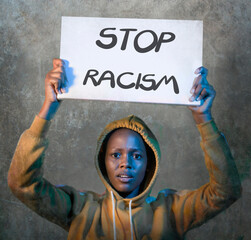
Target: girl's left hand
201, 90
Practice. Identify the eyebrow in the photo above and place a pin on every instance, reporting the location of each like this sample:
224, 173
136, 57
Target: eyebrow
131, 149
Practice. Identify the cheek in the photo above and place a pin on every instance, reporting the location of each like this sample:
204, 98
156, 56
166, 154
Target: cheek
141, 171
110, 167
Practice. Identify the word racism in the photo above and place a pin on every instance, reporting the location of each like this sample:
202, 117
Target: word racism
145, 82
93, 75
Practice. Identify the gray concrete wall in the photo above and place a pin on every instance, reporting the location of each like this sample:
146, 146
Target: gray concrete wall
30, 39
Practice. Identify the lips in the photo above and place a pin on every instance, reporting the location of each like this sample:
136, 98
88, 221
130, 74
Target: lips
124, 177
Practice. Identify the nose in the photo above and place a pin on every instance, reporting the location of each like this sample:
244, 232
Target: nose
125, 162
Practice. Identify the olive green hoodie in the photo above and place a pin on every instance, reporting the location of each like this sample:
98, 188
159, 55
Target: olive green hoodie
87, 215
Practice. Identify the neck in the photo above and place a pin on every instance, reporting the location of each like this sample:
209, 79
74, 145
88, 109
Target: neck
132, 194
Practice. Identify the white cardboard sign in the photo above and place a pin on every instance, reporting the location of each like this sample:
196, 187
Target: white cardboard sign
135, 60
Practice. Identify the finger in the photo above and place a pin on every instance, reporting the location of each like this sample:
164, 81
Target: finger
57, 62
196, 93
201, 70
200, 92
196, 81
204, 73
193, 108
55, 75
203, 94
56, 84
58, 69
201, 79
206, 92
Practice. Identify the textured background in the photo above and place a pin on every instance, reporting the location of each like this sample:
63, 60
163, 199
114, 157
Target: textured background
30, 39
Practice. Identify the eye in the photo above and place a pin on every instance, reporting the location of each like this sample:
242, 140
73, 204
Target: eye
116, 155
137, 156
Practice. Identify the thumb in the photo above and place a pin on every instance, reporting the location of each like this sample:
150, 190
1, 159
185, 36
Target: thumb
57, 62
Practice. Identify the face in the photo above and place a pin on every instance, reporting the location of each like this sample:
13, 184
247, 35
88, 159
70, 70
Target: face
126, 161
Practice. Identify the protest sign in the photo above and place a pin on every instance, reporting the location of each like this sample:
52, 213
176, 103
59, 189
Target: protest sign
135, 60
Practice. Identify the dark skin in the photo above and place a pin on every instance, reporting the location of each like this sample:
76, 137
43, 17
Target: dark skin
126, 162
201, 90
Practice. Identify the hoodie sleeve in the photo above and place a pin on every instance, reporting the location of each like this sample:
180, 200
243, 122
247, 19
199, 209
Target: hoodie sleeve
192, 208
25, 178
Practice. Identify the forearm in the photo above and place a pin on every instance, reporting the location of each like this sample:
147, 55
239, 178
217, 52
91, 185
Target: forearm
201, 117
48, 110
25, 178
25, 169
224, 177
192, 208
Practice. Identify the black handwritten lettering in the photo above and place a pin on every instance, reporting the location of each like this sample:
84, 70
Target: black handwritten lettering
145, 79
131, 85
162, 40
112, 36
150, 47
172, 78
156, 42
139, 83
110, 78
91, 75
127, 30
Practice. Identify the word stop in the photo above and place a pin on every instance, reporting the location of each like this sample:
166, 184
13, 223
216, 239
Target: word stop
156, 43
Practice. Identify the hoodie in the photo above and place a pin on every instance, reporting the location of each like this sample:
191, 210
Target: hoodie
88, 215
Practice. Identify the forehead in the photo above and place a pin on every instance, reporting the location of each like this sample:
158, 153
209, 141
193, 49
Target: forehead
125, 137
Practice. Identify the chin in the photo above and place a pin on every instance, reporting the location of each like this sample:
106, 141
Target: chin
124, 194
124, 190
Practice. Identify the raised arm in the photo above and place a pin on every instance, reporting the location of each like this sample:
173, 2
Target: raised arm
192, 208
25, 178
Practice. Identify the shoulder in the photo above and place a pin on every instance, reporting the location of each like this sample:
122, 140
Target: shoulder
80, 193
165, 193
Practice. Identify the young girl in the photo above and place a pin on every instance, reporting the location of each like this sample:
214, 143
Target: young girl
127, 161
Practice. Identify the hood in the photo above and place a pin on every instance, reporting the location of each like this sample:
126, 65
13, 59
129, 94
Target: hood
153, 153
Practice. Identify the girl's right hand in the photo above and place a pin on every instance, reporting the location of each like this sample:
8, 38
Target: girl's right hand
54, 81
54, 84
